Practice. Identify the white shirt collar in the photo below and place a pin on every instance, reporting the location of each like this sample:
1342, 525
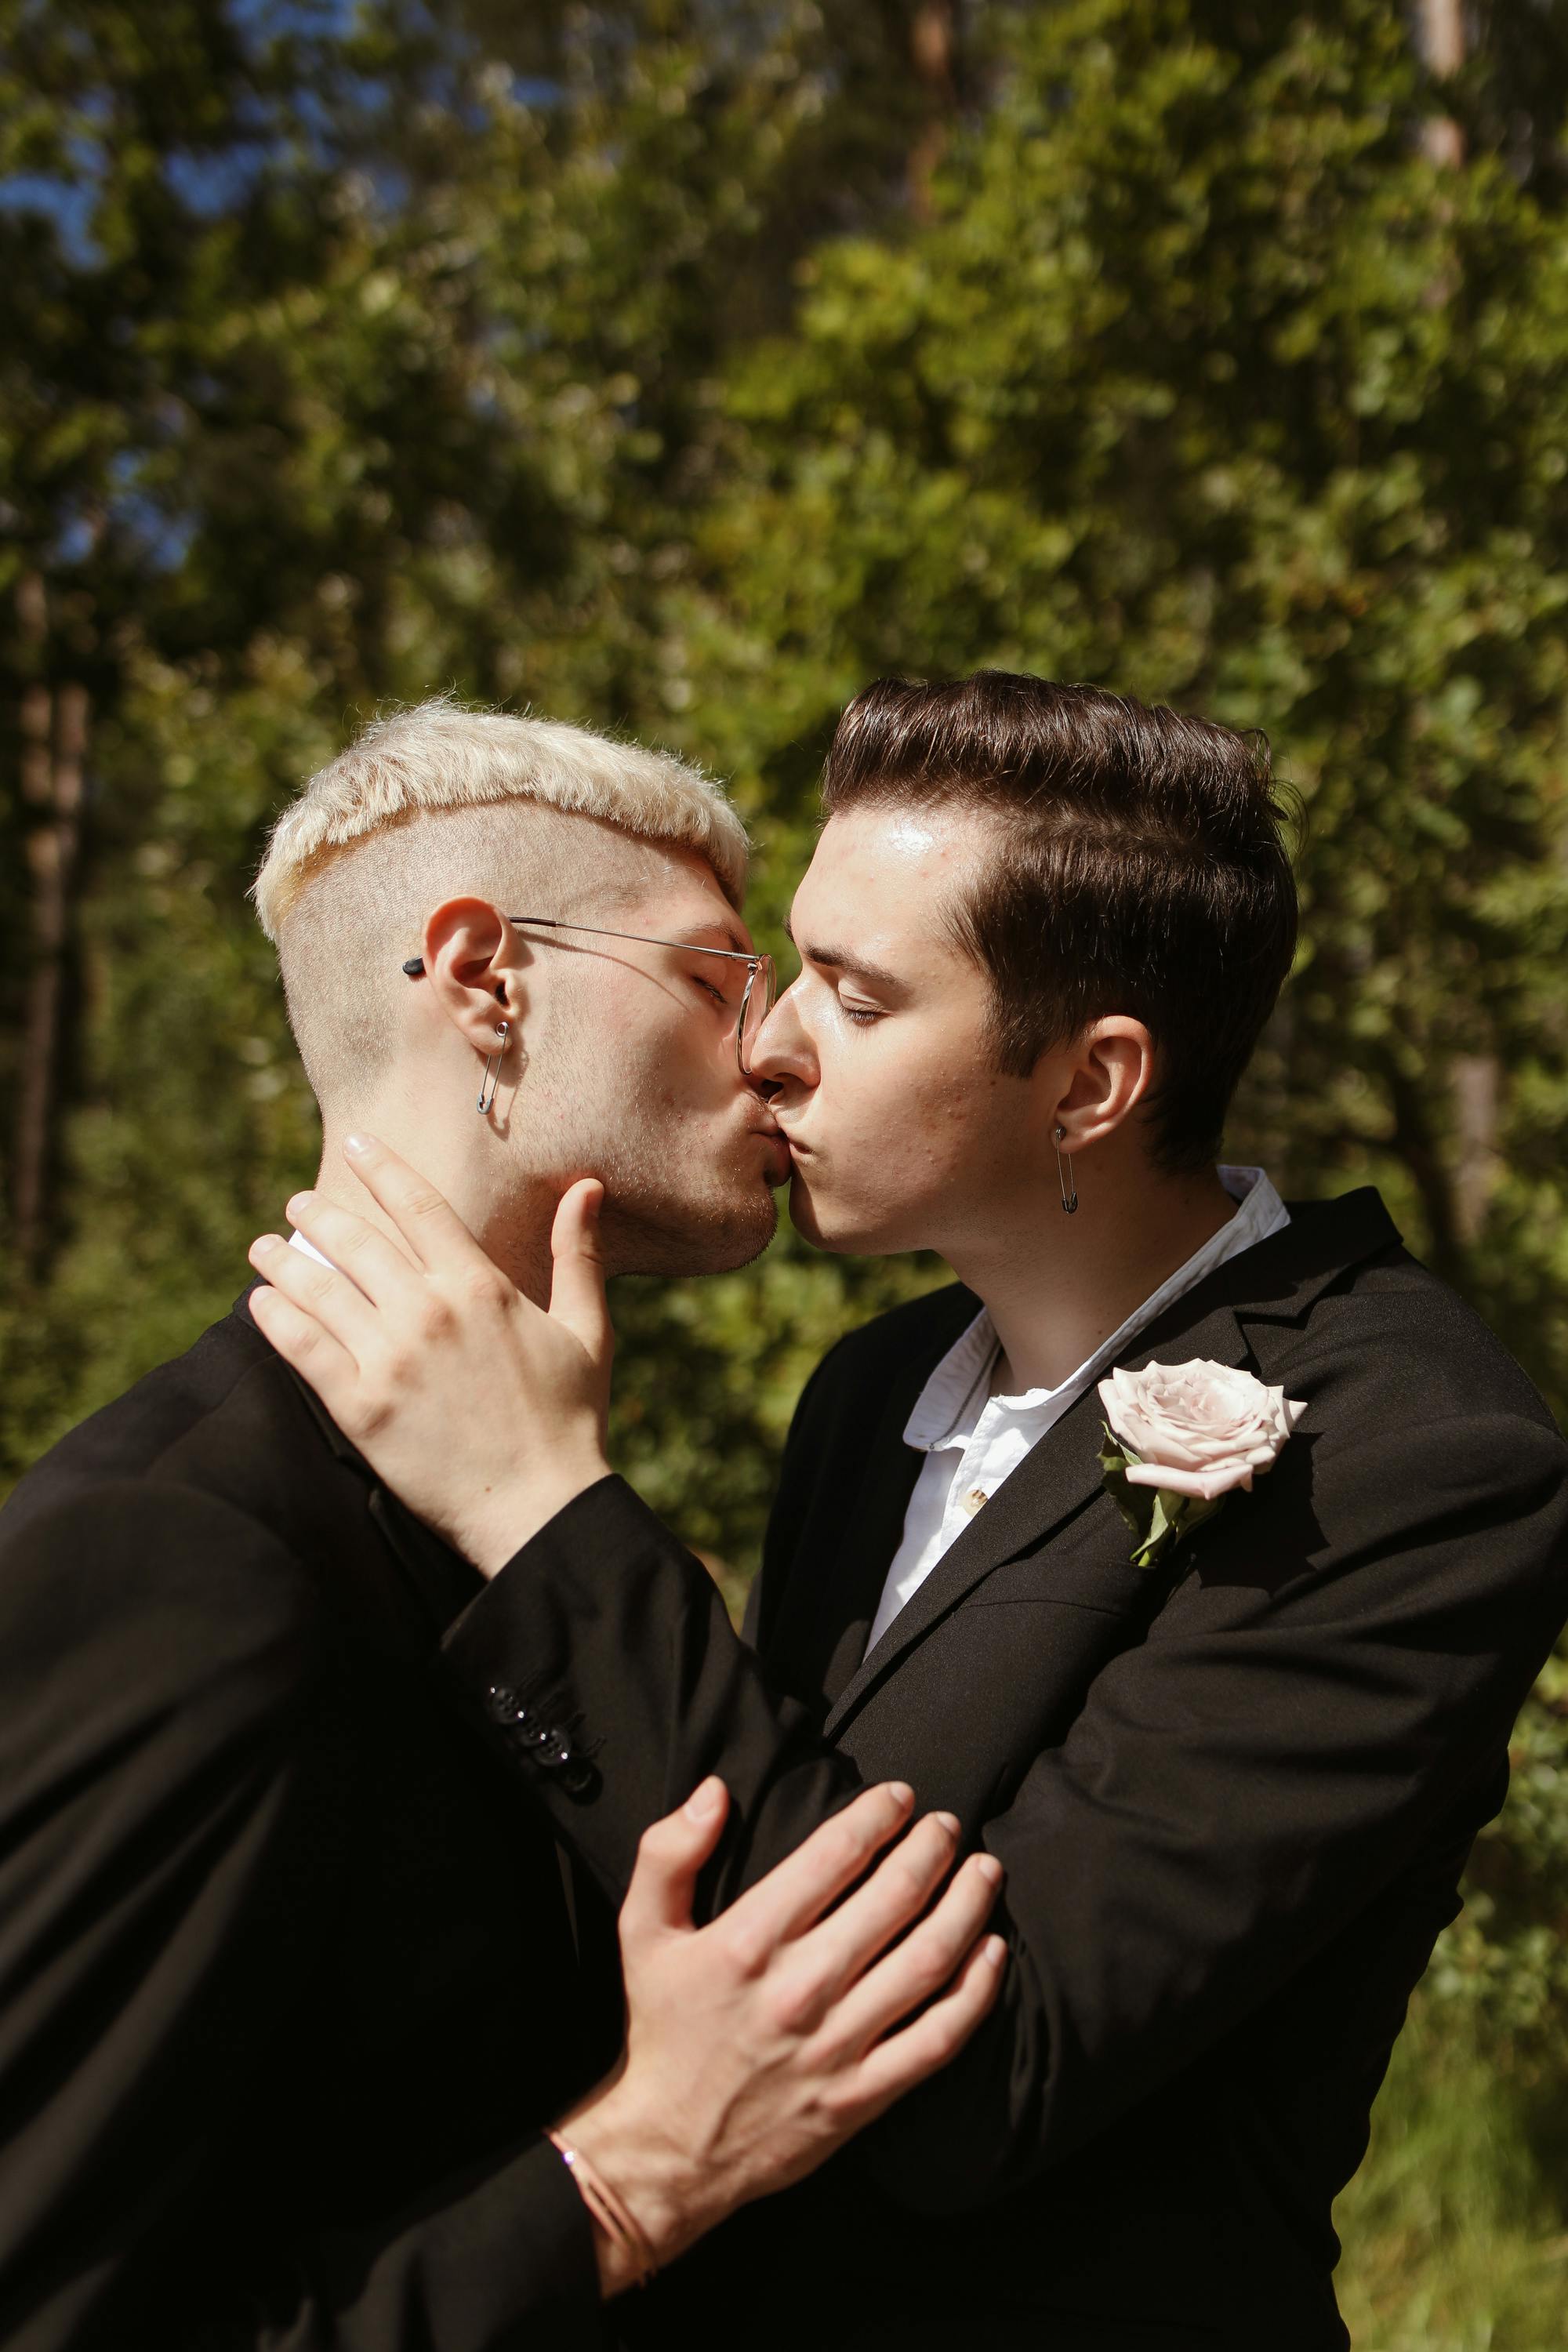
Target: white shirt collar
948, 1409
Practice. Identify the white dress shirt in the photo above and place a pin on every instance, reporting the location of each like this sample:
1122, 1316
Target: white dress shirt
973, 1439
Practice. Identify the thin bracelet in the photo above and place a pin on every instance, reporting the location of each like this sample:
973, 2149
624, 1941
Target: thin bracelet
611, 2211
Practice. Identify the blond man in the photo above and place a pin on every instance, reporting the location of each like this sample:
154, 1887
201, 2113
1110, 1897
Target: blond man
308, 2034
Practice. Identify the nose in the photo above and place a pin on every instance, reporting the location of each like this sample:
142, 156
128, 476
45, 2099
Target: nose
782, 1052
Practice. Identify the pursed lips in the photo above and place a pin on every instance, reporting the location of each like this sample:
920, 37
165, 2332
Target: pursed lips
768, 1132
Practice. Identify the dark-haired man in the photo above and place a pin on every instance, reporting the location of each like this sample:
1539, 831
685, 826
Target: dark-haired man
1234, 1784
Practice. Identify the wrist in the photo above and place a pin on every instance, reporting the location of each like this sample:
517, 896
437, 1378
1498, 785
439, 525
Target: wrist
665, 2191
503, 1518
622, 2255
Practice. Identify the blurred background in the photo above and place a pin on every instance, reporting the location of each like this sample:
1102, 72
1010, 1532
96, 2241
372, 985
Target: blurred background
677, 366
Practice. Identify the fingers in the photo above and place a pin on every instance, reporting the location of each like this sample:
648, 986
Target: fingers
302, 1342
428, 1223
923, 1962
320, 1292
841, 1947
896, 2065
669, 1856
796, 1892
378, 1266
578, 1284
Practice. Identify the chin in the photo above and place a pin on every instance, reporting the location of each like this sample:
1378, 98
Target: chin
684, 1237
830, 1226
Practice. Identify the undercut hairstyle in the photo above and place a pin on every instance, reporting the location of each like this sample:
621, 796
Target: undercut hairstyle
440, 802
1139, 866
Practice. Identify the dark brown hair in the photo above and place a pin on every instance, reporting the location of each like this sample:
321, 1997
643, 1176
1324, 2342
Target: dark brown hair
1140, 868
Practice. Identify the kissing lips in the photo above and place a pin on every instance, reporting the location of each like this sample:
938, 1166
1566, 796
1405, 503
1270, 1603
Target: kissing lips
778, 1156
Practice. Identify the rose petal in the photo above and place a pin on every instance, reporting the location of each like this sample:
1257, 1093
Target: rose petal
1203, 1485
1198, 1426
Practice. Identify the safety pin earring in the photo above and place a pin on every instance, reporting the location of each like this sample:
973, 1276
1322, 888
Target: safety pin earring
492, 1072
1069, 1199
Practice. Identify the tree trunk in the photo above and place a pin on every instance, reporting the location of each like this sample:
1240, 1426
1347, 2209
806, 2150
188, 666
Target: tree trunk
1443, 39
1442, 24
1476, 1160
1477, 1085
1417, 1143
934, 34
54, 751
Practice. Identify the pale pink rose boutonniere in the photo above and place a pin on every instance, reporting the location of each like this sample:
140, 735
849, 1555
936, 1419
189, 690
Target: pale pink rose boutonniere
1178, 1439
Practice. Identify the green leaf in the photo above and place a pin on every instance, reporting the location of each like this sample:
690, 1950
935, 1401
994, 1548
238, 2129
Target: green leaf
1130, 1501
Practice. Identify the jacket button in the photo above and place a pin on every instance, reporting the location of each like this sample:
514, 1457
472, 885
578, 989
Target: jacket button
507, 1707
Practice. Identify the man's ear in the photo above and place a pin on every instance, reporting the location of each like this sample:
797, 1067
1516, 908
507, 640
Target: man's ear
1111, 1068
471, 965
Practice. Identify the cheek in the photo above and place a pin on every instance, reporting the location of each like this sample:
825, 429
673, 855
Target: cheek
903, 1101
646, 1044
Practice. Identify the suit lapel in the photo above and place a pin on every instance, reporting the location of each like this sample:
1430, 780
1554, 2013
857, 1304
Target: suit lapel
825, 1642
872, 1538
1051, 1485
1276, 1280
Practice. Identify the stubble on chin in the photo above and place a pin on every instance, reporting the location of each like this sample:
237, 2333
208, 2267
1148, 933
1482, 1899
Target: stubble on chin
676, 1202
641, 1235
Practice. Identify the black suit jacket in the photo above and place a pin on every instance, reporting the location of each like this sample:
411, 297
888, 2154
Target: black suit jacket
286, 1978
1233, 1795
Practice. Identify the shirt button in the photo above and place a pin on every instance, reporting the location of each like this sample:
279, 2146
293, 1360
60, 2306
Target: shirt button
976, 1500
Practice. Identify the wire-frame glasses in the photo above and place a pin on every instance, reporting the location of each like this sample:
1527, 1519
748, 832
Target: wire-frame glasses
756, 1001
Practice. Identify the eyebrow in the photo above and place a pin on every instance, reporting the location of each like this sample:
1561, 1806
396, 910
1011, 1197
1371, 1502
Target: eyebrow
840, 959
695, 938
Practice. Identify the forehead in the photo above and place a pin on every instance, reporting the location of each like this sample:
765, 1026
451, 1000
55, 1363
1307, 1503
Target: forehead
669, 890
590, 871
886, 877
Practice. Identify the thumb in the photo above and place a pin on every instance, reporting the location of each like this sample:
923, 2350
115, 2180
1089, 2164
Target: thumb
577, 1280
669, 1856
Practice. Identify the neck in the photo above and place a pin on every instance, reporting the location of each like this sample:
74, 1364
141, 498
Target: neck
1057, 1287
512, 1229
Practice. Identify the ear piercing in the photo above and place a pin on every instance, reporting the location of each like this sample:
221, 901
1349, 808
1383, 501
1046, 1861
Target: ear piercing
1065, 1177
492, 1070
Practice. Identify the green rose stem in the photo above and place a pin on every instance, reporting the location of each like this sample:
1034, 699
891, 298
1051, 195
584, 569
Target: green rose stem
1157, 1517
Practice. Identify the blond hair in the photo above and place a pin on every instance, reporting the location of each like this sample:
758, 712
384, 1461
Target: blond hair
424, 804
438, 757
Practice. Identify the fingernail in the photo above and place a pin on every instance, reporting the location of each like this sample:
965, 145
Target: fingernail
266, 1241
900, 1792
298, 1204
705, 1800
949, 1822
356, 1144
990, 1869
995, 1951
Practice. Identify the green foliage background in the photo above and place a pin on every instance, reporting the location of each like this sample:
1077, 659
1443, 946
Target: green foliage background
676, 365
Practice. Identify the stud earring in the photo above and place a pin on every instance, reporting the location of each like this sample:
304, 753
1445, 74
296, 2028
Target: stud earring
492, 1071
1065, 1178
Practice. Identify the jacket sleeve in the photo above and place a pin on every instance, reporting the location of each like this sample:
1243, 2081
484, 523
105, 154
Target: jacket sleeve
1237, 1787
170, 1826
